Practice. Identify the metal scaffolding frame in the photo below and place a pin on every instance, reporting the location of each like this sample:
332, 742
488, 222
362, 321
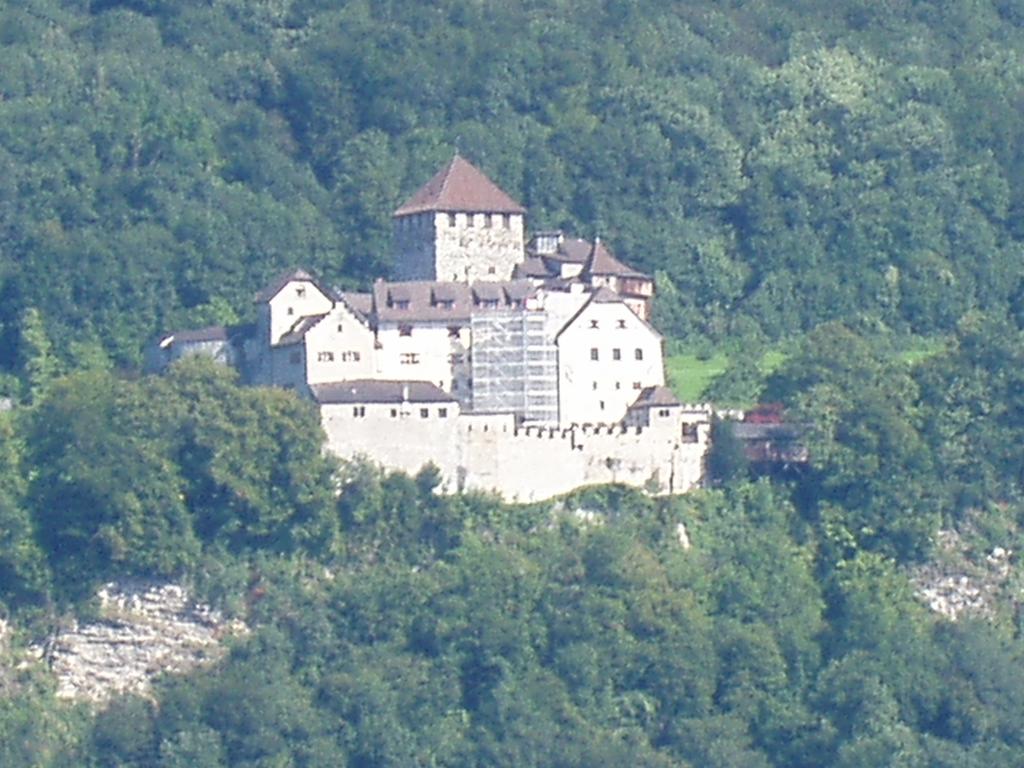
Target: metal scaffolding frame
514, 365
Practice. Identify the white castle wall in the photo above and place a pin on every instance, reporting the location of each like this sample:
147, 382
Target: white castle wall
488, 453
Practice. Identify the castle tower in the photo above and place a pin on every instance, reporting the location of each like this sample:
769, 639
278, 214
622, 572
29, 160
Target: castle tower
459, 226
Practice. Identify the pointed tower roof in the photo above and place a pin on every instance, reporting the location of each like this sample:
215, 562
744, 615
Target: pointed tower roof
460, 186
601, 262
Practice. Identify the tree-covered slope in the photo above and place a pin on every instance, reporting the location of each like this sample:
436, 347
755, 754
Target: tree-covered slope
777, 164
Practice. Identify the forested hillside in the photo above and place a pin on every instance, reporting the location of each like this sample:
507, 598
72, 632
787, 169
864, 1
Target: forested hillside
777, 164
838, 181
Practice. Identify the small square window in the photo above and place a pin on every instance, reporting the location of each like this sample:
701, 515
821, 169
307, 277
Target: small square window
490, 270
621, 324
405, 330
291, 311
637, 385
359, 411
639, 354
424, 413
442, 412
593, 324
300, 291
593, 354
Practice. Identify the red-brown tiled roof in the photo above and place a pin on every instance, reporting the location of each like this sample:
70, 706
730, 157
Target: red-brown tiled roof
601, 262
460, 186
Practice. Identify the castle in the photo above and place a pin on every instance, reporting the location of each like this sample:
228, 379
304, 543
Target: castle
527, 368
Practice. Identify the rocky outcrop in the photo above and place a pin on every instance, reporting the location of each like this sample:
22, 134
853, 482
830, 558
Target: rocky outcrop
144, 630
959, 583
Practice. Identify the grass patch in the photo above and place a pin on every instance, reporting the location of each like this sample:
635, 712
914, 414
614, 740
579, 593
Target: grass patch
689, 375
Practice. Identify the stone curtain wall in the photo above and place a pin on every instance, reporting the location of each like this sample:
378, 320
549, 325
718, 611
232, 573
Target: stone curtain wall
487, 452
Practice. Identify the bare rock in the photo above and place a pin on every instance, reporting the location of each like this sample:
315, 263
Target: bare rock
145, 629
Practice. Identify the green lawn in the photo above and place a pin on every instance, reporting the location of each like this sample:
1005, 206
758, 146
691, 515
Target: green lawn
689, 376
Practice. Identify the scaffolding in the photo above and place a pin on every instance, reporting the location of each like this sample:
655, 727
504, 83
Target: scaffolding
514, 365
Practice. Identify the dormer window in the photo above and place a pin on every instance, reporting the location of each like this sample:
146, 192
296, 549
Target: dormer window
400, 304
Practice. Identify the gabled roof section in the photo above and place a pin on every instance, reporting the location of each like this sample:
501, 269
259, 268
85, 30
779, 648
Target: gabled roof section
605, 295
460, 187
276, 285
656, 397
445, 302
298, 331
379, 391
601, 262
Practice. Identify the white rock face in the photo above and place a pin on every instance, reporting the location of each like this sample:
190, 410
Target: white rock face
958, 585
145, 630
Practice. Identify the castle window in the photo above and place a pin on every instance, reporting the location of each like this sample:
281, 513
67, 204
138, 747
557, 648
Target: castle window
325, 357
442, 412
639, 354
451, 219
594, 354
409, 358
593, 324
405, 330
424, 413
359, 411
616, 354
621, 324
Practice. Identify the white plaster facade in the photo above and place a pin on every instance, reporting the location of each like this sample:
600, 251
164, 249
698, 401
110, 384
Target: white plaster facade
606, 356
